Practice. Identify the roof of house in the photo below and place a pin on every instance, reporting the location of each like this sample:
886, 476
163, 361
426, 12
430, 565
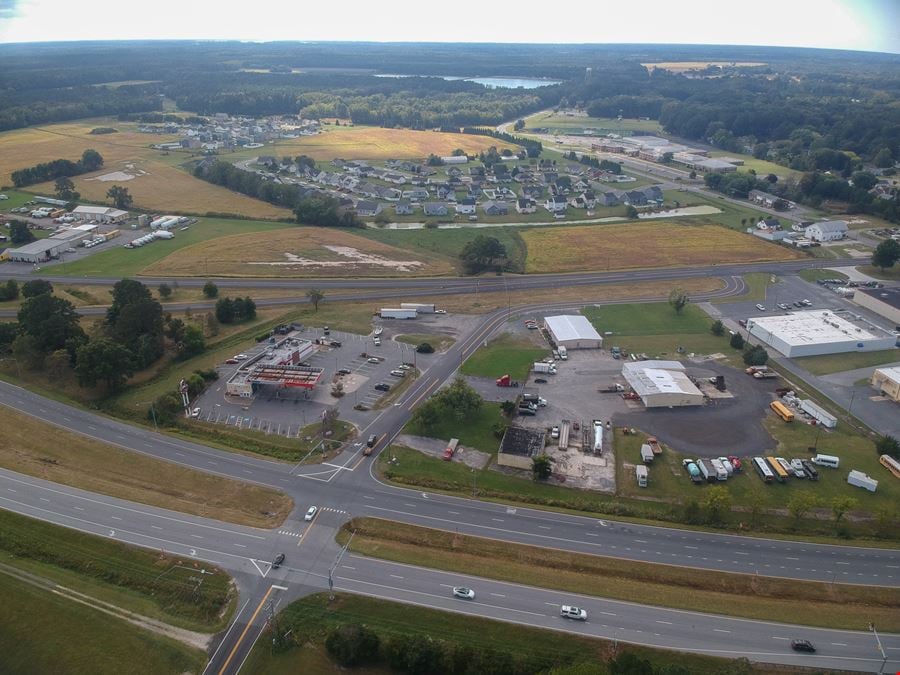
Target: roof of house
364, 205
831, 226
571, 327
495, 205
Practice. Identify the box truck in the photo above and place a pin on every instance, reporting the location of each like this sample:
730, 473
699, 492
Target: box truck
419, 307
397, 313
641, 473
541, 367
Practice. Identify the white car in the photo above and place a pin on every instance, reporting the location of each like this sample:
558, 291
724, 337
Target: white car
4, 197
760, 307
376, 341
378, 331
463, 592
373, 359
576, 613
313, 510
554, 432
241, 357
195, 413
440, 311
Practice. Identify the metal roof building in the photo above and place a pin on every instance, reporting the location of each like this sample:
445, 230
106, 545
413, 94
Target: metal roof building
820, 332
662, 384
887, 382
573, 332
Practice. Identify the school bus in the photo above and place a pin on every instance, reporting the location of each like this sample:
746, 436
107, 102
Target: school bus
890, 464
780, 474
782, 411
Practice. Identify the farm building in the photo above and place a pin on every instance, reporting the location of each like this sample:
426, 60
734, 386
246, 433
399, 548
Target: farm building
519, 446
43, 250
883, 301
662, 384
819, 332
573, 332
103, 214
887, 382
278, 367
827, 230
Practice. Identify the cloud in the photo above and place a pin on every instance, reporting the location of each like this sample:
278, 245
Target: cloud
10, 9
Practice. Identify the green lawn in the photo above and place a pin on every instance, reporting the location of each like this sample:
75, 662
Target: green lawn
731, 214
476, 431
762, 167
836, 363
41, 632
556, 123
889, 274
126, 576
504, 355
448, 243
648, 318
812, 275
757, 284
123, 262
531, 650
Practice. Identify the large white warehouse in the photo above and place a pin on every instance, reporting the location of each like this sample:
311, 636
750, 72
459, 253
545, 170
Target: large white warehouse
819, 332
573, 331
662, 384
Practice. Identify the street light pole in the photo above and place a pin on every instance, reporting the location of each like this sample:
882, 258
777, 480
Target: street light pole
880, 647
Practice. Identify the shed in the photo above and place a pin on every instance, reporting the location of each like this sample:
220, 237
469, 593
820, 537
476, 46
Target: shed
573, 331
662, 384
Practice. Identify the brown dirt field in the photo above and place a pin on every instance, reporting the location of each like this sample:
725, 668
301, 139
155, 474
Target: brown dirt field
378, 144
51, 453
239, 255
643, 245
163, 187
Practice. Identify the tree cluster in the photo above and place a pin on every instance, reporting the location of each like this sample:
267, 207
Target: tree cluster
324, 211
483, 253
19, 233
9, 290
459, 400
235, 310
58, 168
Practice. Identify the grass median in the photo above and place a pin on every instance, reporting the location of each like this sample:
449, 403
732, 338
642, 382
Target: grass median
419, 640
154, 584
43, 632
33, 448
827, 605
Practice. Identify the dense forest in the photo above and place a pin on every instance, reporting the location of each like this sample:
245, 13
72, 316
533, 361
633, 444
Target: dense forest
803, 108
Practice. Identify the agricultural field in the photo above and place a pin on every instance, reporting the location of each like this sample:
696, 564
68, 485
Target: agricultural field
375, 143
151, 176
295, 251
569, 124
686, 66
643, 245
122, 262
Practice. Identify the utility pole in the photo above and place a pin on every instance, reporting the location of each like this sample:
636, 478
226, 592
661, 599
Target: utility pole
270, 607
337, 561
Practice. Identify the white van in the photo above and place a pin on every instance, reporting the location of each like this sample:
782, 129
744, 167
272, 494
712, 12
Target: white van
827, 460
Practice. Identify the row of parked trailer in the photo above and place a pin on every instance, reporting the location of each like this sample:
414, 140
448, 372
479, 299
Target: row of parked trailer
149, 238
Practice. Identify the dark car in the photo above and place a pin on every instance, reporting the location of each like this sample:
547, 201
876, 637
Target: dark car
344, 371
802, 646
381, 386
540, 380
278, 560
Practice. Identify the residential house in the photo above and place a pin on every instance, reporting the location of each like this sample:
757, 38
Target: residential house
465, 206
445, 191
768, 224
395, 178
610, 198
492, 208
267, 161
415, 195
556, 204
653, 193
590, 199
827, 230
577, 202
532, 191
454, 172
435, 209
403, 208
762, 198
525, 205
636, 198
367, 208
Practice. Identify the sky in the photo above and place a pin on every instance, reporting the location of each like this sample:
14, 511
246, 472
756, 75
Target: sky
867, 25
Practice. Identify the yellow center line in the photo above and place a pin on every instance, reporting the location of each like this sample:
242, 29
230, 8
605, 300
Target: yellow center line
423, 394
246, 628
308, 530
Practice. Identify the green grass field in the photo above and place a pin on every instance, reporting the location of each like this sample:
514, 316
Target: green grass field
532, 649
476, 431
814, 274
762, 167
125, 576
41, 632
448, 243
123, 262
889, 274
565, 124
650, 318
836, 363
757, 285
504, 355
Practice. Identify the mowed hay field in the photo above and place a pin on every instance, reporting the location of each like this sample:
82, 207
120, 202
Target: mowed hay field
296, 252
640, 245
376, 143
158, 185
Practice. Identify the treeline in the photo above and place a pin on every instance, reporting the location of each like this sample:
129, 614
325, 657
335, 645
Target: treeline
812, 188
91, 160
533, 148
311, 207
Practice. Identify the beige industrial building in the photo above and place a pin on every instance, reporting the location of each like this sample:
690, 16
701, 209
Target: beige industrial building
102, 214
883, 301
662, 384
816, 332
887, 382
573, 332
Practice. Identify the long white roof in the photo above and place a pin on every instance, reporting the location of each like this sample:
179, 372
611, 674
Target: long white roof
571, 327
817, 327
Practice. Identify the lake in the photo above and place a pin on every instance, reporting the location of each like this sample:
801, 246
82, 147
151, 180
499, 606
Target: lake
491, 82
